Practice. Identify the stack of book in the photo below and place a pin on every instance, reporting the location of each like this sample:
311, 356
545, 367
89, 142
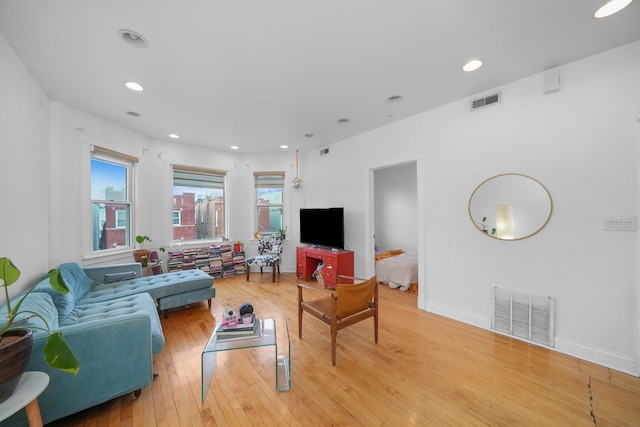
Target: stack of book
215, 261
227, 261
189, 259
202, 259
238, 263
175, 261
240, 331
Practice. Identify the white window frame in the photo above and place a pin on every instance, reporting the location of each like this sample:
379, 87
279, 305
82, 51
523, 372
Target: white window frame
108, 155
220, 173
271, 179
118, 214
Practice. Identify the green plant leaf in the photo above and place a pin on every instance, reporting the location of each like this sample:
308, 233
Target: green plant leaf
9, 273
142, 239
58, 354
56, 281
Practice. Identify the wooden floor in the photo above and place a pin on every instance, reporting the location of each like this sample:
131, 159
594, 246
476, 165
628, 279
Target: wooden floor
425, 370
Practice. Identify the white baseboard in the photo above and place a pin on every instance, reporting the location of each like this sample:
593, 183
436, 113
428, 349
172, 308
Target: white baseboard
599, 356
460, 316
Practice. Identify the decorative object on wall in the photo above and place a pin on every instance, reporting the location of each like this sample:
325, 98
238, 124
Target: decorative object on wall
510, 206
297, 182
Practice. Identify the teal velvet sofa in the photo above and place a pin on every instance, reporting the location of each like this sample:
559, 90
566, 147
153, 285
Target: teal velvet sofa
113, 329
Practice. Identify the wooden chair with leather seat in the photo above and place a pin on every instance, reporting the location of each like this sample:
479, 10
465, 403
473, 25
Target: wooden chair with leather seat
344, 306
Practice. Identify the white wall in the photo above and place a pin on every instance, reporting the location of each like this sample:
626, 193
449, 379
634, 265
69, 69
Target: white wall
24, 169
396, 207
581, 142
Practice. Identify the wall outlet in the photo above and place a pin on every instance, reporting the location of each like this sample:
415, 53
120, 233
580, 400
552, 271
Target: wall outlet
620, 223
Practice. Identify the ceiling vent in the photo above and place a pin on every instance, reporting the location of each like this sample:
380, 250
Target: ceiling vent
485, 102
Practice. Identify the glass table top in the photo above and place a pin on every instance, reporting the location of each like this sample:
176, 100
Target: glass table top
267, 337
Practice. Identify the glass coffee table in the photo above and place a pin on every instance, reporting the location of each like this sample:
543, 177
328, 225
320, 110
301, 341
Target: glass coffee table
267, 338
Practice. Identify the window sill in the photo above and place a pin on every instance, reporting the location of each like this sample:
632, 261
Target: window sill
115, 255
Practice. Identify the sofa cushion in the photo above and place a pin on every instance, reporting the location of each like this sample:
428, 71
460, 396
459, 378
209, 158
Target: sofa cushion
76, 280
39, 302
157, 286
63, 302
138, 304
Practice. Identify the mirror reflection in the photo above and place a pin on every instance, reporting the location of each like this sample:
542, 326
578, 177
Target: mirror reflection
510, 206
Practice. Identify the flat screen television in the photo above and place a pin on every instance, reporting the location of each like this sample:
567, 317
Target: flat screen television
322, 227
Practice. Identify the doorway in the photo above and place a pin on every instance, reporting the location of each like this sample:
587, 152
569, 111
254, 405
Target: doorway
395, 225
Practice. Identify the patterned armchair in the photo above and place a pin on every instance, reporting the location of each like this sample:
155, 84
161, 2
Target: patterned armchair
269, 249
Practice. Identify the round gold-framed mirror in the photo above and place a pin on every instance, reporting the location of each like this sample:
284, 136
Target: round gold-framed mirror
510, 206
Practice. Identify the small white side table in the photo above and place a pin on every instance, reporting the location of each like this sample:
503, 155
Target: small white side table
31, 385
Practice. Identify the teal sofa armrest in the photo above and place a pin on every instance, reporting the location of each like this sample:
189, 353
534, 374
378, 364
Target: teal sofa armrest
115, 359
99, 273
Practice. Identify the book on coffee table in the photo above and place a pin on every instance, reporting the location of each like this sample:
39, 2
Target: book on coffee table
230, 333
239, 326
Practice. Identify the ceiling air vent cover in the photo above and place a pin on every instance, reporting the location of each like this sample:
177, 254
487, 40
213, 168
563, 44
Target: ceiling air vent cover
485, 102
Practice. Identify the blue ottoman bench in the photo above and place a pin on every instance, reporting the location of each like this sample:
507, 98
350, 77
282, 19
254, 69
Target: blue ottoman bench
169, 290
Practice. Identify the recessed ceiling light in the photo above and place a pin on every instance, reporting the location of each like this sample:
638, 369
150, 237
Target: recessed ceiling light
344, 120
394, 98
174, 136
284, 146
472, 65
132, 38
133, 114
611, 7
234, 147
134, 86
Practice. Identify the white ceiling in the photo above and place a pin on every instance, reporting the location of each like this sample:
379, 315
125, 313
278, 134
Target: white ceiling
261, 73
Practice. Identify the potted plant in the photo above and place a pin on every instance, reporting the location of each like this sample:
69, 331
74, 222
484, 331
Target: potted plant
16, 338
484, 226
283, 232
139, 253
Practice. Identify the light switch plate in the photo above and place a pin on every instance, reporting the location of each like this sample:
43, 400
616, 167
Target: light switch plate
620, 223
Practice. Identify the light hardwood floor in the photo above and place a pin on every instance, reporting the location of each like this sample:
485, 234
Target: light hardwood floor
426, 370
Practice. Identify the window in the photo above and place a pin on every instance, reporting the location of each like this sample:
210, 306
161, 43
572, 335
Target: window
198, 204
269, 189
121, 218
111, 202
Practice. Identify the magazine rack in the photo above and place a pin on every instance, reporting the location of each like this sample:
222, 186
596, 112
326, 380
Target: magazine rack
266, 338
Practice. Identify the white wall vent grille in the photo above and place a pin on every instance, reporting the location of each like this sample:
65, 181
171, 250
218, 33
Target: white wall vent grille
485, 102
527, 317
